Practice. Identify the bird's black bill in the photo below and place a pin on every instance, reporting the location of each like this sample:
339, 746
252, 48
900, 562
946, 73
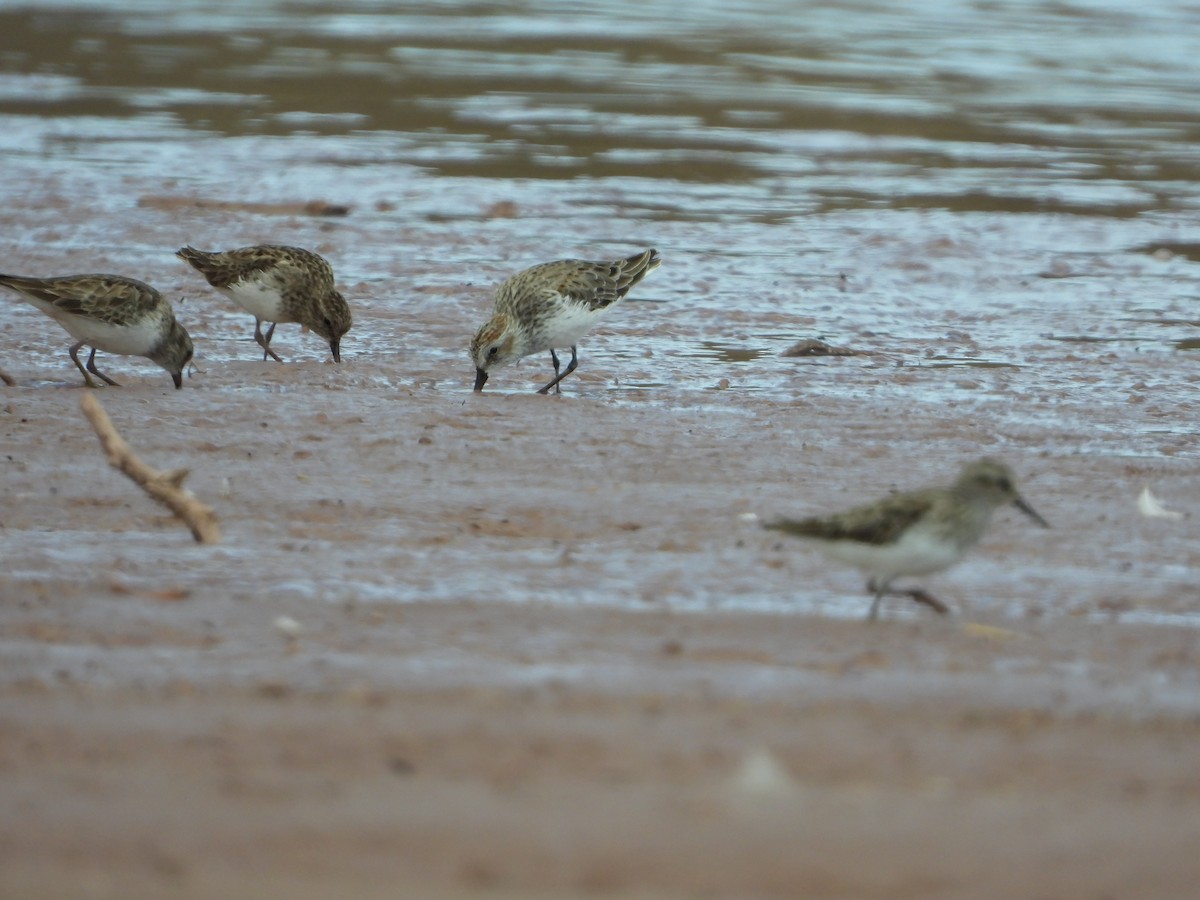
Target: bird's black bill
481, 378
177, 377
336, 349
1030, 511
795, 527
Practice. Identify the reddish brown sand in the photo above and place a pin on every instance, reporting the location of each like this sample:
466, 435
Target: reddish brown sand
537, 647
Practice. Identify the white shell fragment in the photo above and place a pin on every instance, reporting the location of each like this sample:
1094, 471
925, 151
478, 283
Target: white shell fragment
761, 774
287, 626
1149, 507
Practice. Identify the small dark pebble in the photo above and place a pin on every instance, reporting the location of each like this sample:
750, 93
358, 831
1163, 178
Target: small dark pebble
814, 347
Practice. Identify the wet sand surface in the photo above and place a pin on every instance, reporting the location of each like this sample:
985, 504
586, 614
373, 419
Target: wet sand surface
504, 645
586, 753
539, 647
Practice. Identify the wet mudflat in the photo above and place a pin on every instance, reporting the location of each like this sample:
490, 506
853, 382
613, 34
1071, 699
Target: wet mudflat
508, 645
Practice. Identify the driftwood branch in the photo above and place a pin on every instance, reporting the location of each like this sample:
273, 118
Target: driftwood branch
165, 487
7, 379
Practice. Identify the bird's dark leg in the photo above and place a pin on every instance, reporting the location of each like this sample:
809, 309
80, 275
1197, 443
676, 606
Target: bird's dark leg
91, 366
74, 351
915, 594
264, 341
929, 600
557, 377
878, 590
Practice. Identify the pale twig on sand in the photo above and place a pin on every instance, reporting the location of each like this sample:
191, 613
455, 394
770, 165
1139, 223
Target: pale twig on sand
165, 487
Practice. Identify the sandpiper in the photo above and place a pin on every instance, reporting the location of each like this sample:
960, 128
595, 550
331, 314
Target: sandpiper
914, 533
277, 284
553, 305
113, 314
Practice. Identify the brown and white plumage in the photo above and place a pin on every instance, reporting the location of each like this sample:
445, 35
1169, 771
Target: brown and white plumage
277, 284
914, 533
553, 305
113, 314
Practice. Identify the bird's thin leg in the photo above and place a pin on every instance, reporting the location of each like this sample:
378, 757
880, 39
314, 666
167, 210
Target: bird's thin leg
928, 599
91, 364
914, 593
879, 589
557, 377
74, 351
264, 341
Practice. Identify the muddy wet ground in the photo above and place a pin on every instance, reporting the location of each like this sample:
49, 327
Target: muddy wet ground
539, 646
501, 646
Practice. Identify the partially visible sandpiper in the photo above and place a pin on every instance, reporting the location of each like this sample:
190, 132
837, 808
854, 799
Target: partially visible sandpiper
553, 305
914, 533
277, 284
113, 314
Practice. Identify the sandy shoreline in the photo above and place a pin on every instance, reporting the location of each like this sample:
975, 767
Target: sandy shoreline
543, 647
517, 679
618, 753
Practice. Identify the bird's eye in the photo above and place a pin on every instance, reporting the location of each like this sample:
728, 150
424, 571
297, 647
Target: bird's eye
492, 352
1004, 484
328, 323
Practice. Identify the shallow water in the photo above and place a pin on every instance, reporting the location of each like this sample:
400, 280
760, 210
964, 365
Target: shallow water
995, 204
777, 110
767, 152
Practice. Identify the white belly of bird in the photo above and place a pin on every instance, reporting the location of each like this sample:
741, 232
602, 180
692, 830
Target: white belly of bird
916, 553
567, 323
135, 339
259, 297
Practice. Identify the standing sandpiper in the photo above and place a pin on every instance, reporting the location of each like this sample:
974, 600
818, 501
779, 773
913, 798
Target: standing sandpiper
113, 314
553, 305
914, 533
277, 284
